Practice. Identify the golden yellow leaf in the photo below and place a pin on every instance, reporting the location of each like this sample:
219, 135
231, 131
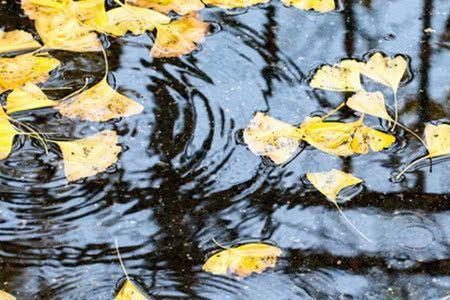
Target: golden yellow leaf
126, 18
234, 3
99, 103
344, 139
181, 7
272, 138
129, 291
179, 37
369, 103
437, 138
17, 40
385, 70
43, 8
332, 182
27, 97
344, 77
64, 32
89, 156
90, 10
318, 5
7, 134
243, 260
15, 72
6, 296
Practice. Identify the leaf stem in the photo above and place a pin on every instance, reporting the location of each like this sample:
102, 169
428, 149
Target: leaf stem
120, 260
395, 110
411, 165
351, 224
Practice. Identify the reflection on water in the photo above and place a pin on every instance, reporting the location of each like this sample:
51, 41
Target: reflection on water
184, 178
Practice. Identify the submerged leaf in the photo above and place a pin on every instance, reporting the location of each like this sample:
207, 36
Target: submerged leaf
234, 3
318, 5
64, 32
332, 182
126, 18
7, 134
27, 97
243, 260
272, 138
130, 291
385, 70
6, 296
369, 103
344, 77
89, 156
437, 138
17, 40
15, 72
181, 7
179, 37
99, 103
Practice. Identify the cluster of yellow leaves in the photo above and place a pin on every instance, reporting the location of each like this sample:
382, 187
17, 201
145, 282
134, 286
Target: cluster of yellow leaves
279, 141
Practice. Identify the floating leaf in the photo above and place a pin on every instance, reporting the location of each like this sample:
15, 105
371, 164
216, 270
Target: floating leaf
437, 138
243, 260
27, 97
344, 139
6, 296
181, 7
17, 40
234, 3
63, 32
90, 10
89, 156
179, 37
318, 5
126, 18
385, 70
369, 103
42, 8
344, 77
15, 72
7, 134
272, 138
99, 103
332, 182
130, 291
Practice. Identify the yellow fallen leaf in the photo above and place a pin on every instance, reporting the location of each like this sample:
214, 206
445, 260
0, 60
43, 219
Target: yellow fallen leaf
129, 291
99, 103
179, 37
437, 138
27, 97
234, 3
17, 40
15, 72
89, 156
369, 103
318, 5
181, 7
385, 70
6, 296
243, 260
64, 32
43, 8
344, 77
7, 134
332, 182
344, 139
126, 18
437, 141
90, 10
270, 137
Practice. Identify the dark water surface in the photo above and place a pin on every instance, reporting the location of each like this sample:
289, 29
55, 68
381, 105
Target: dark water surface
184, 178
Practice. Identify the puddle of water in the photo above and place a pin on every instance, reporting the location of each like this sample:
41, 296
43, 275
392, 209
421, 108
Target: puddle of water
184, 178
